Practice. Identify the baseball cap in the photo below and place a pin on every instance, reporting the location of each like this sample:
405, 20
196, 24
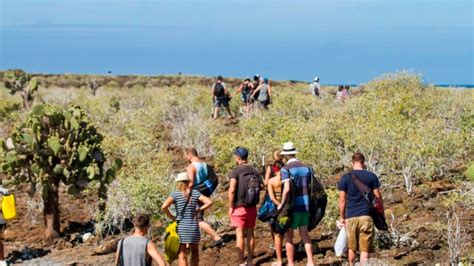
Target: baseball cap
242, 152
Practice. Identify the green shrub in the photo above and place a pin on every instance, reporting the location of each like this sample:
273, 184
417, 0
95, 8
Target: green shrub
469, 174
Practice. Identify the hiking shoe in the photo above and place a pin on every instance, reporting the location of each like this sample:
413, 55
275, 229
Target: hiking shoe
217, 243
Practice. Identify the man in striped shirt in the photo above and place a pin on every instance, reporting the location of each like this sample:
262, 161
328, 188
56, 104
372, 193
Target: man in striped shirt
295, 177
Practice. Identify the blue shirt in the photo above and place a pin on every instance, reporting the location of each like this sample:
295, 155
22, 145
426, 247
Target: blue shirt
300, 174
201, 172
356, 204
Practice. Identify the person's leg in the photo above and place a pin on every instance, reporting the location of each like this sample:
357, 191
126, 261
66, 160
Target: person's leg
352, 257
194, 254
290, 248
182, 255
308, 247
216, 110
364, 257
239, 234
250, 244
366, 237
352, 239
209, 230
278, 239
228, 111
2, 252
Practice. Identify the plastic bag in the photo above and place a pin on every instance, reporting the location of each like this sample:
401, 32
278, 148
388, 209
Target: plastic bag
340, 247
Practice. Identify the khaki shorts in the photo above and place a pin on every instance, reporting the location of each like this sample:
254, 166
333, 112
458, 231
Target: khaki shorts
360, 233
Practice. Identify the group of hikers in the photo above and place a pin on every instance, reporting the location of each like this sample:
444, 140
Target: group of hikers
256, 92
287, 181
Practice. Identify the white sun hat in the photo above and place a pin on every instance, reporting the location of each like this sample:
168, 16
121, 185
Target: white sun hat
288, 149
182, 177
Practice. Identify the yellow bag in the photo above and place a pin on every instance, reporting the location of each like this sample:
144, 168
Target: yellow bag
171, 242
8, 207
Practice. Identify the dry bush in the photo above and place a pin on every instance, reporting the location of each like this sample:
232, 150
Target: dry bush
457, 237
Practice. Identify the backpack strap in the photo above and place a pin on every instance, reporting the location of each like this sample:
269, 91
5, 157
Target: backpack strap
181, 214
120, 261
363, 189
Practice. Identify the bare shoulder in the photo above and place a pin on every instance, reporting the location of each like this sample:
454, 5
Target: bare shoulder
275, 181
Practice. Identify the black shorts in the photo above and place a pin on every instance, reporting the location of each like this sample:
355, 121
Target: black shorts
221, 102
246, 98
264, 103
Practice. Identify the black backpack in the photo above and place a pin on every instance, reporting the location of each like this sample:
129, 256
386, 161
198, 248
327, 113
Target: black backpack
318, 201
249, 188
219, 90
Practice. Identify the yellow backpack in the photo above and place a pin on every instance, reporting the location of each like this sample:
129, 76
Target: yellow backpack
8, 207
171, 242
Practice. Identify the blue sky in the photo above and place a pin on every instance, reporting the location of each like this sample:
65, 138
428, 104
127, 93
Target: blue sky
340, 41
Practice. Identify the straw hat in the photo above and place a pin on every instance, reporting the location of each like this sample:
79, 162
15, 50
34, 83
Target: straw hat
288, 149
182, 177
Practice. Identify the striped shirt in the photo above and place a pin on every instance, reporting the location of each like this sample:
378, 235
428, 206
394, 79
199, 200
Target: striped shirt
188, 228
300, 175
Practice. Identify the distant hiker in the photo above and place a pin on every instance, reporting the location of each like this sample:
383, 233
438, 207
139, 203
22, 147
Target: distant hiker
3, 226
274, 168
274, 192
354, 210
255, 83
264, 94
345, 92
296, 177
315, 87
220, 97
197, 173
243, 199
186, 206
340, 94
137, 250
245, 89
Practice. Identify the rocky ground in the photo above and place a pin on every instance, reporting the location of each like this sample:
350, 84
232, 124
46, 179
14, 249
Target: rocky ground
416, 223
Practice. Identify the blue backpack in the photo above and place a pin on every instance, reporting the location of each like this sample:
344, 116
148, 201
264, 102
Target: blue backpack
208, 186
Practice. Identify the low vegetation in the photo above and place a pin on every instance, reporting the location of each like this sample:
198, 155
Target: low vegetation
412, 133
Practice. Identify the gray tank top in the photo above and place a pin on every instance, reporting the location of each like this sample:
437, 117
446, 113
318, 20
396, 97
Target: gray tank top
133, 251
263, 96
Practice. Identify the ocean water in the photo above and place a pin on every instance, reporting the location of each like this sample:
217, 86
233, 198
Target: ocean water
342, 42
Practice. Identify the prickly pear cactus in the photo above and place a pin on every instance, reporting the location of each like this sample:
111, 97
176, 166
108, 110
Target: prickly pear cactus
56, 146
18, 81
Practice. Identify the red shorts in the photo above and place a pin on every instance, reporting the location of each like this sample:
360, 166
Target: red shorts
244, 217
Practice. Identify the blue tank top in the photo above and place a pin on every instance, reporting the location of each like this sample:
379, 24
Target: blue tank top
201, 172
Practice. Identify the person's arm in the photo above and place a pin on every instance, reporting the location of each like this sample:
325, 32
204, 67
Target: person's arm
191, 170
213, 92
255, 91
378, 195
268, 173
166, 206
232, 188
342, 206
271, 194
117, 253
269, 91
153, 252
286, 191
239, 89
